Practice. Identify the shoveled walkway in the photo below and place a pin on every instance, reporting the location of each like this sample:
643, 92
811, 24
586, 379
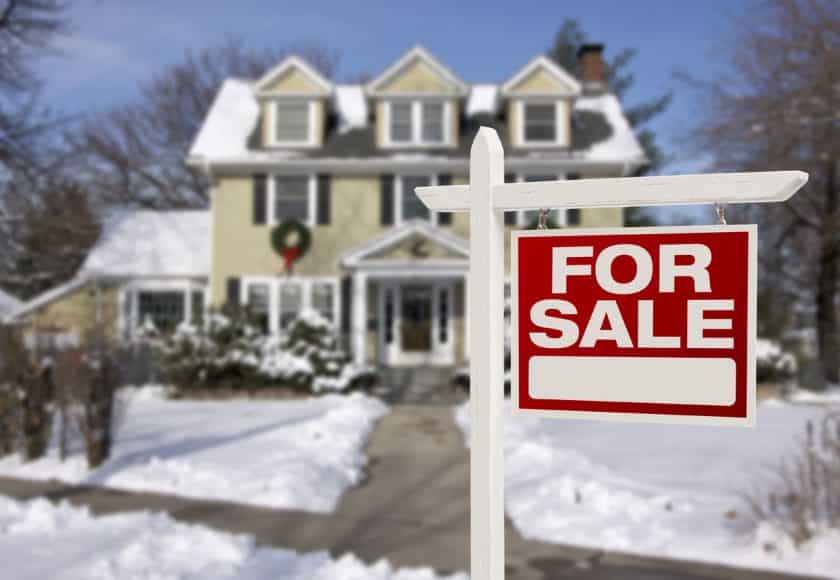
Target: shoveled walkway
413, 509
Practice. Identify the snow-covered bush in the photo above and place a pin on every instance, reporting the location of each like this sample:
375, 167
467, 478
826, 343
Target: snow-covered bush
772, 363
802, 498
228, 351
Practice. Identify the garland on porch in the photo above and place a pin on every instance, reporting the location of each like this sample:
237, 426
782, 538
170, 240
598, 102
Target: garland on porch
291, 239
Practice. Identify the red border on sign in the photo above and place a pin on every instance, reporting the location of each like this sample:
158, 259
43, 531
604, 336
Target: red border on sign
732, 271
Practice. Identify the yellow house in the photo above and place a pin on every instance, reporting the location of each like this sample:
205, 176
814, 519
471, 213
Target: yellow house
343, 160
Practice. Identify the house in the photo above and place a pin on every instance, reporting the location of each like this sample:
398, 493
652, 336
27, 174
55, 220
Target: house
344, 160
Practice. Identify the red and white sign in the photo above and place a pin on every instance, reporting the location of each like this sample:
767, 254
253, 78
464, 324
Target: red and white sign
635, 323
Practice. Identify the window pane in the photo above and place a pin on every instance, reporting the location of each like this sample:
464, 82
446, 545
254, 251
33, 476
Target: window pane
412, 207
433, 122
291, 301
291, 197
291, 121
258, 306
162, 310
540, 122
401, 122
322, 300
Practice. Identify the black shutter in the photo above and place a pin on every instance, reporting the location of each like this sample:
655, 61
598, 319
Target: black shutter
573, 214
444, 217
260, 199
324, 201
233, 292
510, 216
346, 292
386, 200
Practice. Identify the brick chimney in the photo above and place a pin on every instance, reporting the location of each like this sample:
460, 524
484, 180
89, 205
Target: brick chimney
590, 57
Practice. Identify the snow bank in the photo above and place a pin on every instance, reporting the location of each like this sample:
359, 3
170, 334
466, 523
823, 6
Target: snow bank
483, 100
299, 454
664, 490
41, 540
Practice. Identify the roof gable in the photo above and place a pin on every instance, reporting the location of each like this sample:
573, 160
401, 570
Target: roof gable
413, 241
417, 71
292, 76
542, 76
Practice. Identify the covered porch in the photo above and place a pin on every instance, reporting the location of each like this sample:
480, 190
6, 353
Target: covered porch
407, 298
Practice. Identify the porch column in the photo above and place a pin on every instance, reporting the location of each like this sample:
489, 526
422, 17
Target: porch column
359, 317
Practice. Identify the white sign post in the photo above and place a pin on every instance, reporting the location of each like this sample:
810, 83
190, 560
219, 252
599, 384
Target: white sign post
486, 198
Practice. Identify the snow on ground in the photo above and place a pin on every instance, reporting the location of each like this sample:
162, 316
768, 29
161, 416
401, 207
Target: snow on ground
660, 490
830, 396
41, 540
299, 454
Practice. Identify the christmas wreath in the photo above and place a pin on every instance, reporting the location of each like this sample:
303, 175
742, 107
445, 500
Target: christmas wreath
290, 239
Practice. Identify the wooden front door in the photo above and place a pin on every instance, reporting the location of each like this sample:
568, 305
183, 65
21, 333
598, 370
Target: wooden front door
416, 318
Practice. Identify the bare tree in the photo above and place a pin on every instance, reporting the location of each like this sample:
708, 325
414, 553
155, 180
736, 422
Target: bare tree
27, 27
776, 108
135, 153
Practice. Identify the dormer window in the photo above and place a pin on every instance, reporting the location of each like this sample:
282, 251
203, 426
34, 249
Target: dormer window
292, 122
418, 123
540, 122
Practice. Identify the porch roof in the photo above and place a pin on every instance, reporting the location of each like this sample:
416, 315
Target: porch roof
369, 254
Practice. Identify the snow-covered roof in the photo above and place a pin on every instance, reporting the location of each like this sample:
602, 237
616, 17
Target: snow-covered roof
8, 304
603, 134
483, 100
351, 106
229, 123
154, 244
622, 144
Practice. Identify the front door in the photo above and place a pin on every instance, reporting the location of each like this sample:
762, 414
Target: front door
415, 323
416, 318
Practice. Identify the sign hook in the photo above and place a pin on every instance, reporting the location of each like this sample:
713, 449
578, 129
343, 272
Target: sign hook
720, 210
543, 219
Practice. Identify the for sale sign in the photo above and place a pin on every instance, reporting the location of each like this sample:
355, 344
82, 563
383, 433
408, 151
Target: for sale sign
635, 323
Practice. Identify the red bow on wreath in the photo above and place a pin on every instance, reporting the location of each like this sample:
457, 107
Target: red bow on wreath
290, 239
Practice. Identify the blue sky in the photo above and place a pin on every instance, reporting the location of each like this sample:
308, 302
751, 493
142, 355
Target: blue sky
116, 44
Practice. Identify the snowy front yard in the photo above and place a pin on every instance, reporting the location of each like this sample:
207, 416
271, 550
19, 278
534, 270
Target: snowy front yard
296, 454
665, 490
40, 540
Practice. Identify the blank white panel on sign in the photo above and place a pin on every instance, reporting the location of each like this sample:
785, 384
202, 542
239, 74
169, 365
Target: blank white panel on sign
703, 381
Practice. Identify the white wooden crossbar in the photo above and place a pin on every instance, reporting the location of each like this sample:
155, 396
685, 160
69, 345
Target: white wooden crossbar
755, 187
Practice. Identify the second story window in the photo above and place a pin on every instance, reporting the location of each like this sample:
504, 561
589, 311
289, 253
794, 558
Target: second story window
401, 123
291, 197
418, 123
291, 122
412, 207
540, 121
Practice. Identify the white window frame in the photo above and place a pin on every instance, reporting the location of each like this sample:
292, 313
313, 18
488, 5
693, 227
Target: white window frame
417, 124
306, 282
311, 197
129, 326
398, 197
559, 214
561, 130
311, 121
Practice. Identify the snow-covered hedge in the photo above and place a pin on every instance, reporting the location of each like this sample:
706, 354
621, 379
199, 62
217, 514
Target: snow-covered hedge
772, 363
229, 352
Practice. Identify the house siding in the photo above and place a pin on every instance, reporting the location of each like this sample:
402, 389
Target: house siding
241, 248
77, 312
417, 77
